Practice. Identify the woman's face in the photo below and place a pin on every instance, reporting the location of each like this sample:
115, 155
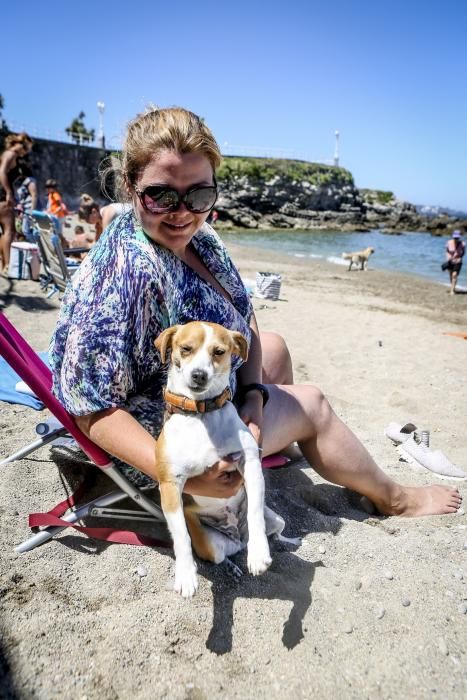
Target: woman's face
181, 171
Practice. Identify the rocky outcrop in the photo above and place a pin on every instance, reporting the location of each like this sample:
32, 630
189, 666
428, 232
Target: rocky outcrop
313, 196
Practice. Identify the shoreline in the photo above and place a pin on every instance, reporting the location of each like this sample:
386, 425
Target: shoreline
366, 607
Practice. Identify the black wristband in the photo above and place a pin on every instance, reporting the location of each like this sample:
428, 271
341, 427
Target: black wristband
258, 387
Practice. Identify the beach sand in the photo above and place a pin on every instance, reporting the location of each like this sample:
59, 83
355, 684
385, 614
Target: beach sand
366, 607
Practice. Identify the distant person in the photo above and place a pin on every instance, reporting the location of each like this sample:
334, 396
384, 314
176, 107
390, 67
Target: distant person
455, 250
17, 146
212, 218
81, 239
89, 212
27, 198
55, 204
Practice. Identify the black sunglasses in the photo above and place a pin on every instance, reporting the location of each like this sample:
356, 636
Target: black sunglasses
160, 199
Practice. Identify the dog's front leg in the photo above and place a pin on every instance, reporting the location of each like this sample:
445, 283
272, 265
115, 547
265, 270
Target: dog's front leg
186, 581
259, 558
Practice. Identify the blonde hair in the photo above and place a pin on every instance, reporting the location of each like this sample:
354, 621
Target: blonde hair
156, 130
22, 138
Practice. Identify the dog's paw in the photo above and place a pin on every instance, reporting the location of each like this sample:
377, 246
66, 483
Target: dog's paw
259, 558
186, 581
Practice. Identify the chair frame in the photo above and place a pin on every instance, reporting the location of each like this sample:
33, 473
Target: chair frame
32, 370
57, 272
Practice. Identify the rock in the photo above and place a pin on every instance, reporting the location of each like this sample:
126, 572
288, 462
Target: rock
389, 575
380, 613
462, 608
321, 549
348, 629
406, 602
141, 571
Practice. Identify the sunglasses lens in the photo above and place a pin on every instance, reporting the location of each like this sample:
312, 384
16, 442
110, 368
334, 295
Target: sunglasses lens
201, 199
160, 199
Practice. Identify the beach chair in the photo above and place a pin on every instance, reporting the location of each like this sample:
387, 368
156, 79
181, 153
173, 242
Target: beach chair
35, 373
57, 269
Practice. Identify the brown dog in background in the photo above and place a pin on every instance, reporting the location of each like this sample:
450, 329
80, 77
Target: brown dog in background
359, 258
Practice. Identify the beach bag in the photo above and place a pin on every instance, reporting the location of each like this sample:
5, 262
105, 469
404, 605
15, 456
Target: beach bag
268, 285
25, 263
446, 265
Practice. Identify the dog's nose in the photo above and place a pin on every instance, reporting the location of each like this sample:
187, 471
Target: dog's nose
199, 377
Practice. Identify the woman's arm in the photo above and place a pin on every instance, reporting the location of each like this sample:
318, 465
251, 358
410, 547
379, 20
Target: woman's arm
32, 188
119, 434
251, 410
5, 167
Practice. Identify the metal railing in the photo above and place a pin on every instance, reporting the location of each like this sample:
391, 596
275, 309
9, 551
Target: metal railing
114, 143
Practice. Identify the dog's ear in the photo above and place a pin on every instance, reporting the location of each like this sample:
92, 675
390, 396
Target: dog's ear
163, 341
240, 345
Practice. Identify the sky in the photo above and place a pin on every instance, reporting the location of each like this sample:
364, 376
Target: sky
275, 78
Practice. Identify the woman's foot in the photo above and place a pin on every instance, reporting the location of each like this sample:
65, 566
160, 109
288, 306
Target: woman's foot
415, 501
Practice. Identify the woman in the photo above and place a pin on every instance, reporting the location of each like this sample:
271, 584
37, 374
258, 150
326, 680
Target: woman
16, 146
159, 265
455, 250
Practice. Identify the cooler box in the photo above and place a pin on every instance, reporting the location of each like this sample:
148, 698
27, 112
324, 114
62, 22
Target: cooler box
25, 263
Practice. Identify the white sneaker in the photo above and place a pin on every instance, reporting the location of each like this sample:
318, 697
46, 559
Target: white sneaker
421, 456
399, 433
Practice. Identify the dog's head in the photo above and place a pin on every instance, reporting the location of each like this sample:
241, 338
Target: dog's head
370, 251
200, 356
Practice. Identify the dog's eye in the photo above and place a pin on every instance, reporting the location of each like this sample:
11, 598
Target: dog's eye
219, 351
185, 349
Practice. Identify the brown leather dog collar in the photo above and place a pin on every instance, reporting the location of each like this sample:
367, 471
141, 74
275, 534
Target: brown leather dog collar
177, 403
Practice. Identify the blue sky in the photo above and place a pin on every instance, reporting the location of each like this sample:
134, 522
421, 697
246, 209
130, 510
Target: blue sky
391, 77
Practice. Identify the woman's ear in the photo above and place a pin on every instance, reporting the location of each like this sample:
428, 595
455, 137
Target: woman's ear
240, 345
163, 341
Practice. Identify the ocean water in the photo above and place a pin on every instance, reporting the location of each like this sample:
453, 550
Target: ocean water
413, 253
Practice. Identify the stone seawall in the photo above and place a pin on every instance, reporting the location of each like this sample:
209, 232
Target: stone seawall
76, 169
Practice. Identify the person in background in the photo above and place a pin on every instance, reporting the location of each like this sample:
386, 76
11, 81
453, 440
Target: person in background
27, 199
161, 264
89, 212
81, 239
17, 146
455, 251
55, 204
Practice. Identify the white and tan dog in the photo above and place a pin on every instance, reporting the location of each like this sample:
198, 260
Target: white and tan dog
361, 258
203, 427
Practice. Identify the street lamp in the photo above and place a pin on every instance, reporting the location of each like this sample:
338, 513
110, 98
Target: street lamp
336, 149
100, 136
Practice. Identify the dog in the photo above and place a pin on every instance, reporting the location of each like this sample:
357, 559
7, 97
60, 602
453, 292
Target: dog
202, 425
359, 258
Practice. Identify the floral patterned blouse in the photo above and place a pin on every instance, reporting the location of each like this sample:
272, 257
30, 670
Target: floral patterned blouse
124, 294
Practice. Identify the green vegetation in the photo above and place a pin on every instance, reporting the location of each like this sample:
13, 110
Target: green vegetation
377, 196
78, 132
264, 169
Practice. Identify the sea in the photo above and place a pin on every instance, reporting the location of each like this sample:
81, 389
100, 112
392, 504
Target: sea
417, 254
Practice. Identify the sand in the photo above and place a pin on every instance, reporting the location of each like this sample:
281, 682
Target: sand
366, 607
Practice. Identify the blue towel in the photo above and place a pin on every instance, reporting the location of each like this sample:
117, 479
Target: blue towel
8, 382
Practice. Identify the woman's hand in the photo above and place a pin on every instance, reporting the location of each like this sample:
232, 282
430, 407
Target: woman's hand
251, 413
219, 481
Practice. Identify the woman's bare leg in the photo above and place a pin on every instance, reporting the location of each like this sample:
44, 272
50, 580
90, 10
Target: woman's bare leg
277, 363
7, 221
303, 414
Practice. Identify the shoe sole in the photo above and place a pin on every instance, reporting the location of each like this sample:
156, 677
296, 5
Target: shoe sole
420, 469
